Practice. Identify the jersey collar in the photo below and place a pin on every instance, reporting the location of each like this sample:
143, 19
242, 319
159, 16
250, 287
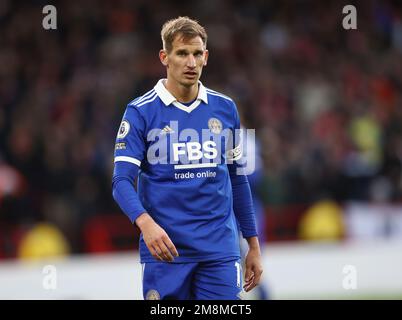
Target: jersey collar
167, 98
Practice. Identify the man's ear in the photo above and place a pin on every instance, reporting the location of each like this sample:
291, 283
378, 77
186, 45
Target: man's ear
206, 53
163, 57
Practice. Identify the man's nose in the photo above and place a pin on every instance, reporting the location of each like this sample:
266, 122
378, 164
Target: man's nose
191, 61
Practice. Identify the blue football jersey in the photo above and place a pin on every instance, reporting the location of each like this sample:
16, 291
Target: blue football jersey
183, 183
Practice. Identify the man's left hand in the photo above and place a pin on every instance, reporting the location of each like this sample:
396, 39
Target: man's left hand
253, 269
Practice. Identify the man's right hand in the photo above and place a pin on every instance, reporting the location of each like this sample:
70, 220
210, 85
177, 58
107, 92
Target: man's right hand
156, 239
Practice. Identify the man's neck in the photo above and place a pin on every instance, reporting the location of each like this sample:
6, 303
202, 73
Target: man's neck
182, 93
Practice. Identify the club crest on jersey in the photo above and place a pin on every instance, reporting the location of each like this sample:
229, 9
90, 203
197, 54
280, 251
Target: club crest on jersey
215, 125
152, 295
124, 129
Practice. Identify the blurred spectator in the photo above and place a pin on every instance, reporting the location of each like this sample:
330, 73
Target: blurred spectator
322, 221
43, 241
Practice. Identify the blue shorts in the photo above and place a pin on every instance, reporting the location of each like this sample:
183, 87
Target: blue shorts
214, 280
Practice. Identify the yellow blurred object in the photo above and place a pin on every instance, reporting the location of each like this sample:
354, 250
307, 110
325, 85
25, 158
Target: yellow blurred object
322, 221
43, 241
366, 133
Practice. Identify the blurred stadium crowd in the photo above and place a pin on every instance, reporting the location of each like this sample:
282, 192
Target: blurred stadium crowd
326, 102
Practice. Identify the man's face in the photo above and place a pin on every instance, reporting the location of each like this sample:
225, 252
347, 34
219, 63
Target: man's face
185, 61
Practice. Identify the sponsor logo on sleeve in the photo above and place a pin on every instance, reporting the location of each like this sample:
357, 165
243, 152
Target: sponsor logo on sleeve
235, 154
124, 129
120, 146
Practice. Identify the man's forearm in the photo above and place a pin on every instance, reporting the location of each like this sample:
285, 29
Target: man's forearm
243, 205
123, 189
143, 219
253, 243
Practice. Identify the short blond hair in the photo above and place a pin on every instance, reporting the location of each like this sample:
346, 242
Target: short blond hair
183, 26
